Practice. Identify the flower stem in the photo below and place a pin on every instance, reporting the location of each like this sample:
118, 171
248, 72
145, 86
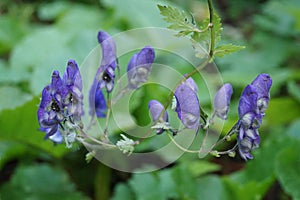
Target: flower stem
179, 146
212, 31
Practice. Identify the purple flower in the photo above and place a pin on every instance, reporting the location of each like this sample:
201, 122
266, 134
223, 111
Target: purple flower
222, 101
187, 104
262, 84
139, 67
105, 75
248, 115
61, 101
72, 86
106, 72
51, 112
156, 109
100, 103
248, 140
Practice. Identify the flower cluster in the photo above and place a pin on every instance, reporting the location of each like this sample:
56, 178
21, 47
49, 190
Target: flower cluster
138, 70
252, 105
61, 107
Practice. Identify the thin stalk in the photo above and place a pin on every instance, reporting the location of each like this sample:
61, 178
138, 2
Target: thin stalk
212, 31
181, 147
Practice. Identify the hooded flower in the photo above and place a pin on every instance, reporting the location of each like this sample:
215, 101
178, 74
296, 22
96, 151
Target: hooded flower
248, 115
61, 102
156, 109
105, 75
222, 101
139, 67
248, 140
72, 84
187, 104
262, 84
106, 72
100, 103
51, 112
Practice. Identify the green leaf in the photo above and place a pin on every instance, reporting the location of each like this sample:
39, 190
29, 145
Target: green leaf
225, 49
145, 186
122, 191
40, 182
178, 20
12, 97
213, 188
21, 125
294, 90
199, 167
10, 150
294, 128
287, 170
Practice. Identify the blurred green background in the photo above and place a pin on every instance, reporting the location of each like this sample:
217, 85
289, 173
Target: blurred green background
37, 37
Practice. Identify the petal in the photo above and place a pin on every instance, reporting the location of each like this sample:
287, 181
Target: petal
100, 104
188, 108
262, 84
109, 57
139, 66
72, 75
222, 101
156, 108
248, 101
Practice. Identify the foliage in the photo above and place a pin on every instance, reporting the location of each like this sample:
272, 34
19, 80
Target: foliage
37, 37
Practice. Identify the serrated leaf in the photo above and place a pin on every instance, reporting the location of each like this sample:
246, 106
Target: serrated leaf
217, 28
225, 49
178, 20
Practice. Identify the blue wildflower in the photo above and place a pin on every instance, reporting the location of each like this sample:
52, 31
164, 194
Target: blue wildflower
262, 84
222, 101
61, 103
156, 109
187, 104
139, 67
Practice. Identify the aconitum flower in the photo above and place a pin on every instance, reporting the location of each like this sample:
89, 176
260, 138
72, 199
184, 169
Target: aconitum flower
106, 72
156, 109
100, 103
187, 104
105, 75
222, 101
139, 67
73, 90
248, 140
61, 103
262, 84
50, 112
248, 115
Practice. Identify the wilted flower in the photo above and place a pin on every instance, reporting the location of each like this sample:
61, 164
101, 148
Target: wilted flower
187, 104
139, 67
222, 101
262, 84
156, 109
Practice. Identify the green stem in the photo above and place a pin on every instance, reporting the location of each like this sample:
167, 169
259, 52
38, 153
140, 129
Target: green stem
212, 31
181, 147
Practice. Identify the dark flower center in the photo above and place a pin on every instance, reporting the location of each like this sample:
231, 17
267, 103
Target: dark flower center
106, 77
55, 107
